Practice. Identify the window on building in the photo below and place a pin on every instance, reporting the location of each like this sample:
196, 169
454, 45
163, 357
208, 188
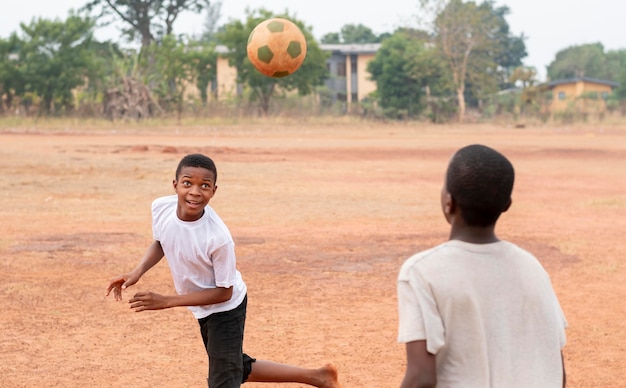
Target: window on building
341, 69
593, 95
561, 95
604, 95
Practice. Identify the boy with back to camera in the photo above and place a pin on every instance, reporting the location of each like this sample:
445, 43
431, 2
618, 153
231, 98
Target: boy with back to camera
201, 256
477, 311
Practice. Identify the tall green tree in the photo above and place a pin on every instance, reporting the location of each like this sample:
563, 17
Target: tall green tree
11, 80
146, 19
234, 35
181, 65
174, 72
477, 44
490, 66
56, 58
409, 75
331, 38
461, 30
510, 50
587, 60
202, 59
616, 68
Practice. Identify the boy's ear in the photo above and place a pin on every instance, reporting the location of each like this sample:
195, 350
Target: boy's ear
174, 184
449, 205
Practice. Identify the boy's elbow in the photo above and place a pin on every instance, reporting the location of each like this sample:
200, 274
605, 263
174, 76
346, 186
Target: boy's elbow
225, 294
419, 380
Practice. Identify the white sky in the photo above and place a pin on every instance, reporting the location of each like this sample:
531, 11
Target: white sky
549, 25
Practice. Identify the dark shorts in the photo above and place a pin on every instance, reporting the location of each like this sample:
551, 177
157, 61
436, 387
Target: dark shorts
222, 334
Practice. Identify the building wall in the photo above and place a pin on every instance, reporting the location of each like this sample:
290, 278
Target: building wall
226, 87
346, 84
568, 96
366, 85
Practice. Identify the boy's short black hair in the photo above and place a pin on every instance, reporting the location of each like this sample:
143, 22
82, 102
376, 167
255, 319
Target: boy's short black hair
197, 160
480, 180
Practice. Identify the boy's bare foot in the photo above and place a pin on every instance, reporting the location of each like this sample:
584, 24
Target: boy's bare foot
328, 377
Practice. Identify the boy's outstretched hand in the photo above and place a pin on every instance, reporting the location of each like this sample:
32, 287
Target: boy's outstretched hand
148, 301
121, 283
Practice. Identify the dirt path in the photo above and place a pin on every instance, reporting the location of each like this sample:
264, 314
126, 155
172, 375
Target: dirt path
322, 219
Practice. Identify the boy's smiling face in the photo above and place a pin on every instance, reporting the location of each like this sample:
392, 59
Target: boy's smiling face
195, 187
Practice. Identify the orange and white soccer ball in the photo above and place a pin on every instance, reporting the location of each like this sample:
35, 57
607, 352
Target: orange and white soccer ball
276, 47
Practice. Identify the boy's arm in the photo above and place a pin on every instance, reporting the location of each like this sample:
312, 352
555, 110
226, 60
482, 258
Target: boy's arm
421, 366
150, 301
153, 255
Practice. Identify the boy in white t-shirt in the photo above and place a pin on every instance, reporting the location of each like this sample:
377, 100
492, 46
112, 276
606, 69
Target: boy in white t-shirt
201, 256
477, 311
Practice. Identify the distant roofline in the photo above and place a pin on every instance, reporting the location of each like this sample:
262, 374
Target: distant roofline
342, 48
221, 49
351, 48
581, 79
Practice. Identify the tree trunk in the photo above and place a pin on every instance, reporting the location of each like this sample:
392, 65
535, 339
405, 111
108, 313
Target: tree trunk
461, 97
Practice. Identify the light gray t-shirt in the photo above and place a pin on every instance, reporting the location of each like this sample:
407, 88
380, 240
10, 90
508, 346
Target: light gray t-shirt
487, 311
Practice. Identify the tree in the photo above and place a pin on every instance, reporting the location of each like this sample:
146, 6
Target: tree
11, 80
173, 75
353, 33
409, 75
510, 50
490, 66
149, 19
234, 35
620, 92
358, 33
179, 65
331, 38
587, 60
615, 63
462, 29
477, 45
202, 60
56, 58
525, 75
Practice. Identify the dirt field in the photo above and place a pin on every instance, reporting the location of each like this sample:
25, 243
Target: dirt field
322, 219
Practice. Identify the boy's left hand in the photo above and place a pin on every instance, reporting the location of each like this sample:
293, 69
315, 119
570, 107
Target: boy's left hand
148, 301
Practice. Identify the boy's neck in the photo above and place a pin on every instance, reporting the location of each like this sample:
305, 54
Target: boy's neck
474, 234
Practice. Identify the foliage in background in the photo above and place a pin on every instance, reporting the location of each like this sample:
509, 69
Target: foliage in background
145, 20
11, 82
55, 58
587, 60
410, 76
490, 66
468, 59
312, 73
353, 33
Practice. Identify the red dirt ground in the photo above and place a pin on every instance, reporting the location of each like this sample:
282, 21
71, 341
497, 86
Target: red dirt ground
323, 217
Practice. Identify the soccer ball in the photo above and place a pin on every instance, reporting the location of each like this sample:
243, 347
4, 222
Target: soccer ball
276, 47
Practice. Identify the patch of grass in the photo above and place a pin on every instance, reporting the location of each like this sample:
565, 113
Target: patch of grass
608, 267
609, 202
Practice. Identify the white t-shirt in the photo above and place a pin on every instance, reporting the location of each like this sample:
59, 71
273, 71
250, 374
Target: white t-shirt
200, 254
487, 311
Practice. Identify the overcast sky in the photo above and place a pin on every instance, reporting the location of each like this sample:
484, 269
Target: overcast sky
549, 25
